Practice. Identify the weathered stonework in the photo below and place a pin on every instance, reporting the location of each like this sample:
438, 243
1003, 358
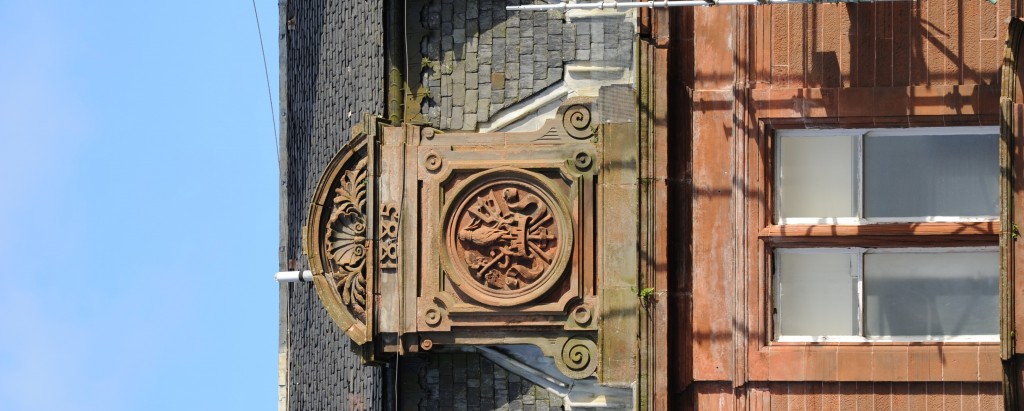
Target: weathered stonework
508, 238
481, 64
517, 262
337, 244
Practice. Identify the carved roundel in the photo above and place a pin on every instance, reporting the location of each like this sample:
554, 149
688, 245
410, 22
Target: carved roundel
507, 237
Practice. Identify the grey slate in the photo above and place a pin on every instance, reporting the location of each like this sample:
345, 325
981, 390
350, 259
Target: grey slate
524, 47
334, 73
451, 381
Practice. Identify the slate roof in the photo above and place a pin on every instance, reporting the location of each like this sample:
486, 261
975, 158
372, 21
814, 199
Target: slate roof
334, 72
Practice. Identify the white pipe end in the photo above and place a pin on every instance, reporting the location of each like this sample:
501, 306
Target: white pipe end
294, 276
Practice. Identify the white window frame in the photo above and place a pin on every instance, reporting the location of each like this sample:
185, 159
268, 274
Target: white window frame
857, 271
859, 134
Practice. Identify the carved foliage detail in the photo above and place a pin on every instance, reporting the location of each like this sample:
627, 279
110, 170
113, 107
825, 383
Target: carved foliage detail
507, 236
345, 239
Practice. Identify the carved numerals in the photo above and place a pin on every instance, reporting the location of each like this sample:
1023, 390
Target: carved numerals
388, 236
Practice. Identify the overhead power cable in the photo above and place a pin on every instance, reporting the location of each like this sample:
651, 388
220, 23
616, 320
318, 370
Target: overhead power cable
266, 74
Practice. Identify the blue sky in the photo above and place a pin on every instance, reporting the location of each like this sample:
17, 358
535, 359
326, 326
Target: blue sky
138, 206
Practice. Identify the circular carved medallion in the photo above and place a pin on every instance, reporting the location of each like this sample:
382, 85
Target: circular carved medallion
507, 237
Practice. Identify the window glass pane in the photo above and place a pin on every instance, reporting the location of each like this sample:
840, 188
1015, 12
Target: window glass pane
931, 175
817, 176
931, 293
815, 294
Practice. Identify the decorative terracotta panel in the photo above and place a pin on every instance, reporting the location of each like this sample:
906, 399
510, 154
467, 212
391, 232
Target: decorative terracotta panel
422, 240
507, 238
338, 245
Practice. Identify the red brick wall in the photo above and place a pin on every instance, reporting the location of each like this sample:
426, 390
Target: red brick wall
744, 68
890, 396
888, 44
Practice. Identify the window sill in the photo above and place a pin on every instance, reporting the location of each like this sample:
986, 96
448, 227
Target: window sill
932, 234
879, 361
965, 339
891, 229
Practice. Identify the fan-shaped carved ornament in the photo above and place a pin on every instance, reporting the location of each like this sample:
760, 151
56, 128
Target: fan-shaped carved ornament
336, 240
